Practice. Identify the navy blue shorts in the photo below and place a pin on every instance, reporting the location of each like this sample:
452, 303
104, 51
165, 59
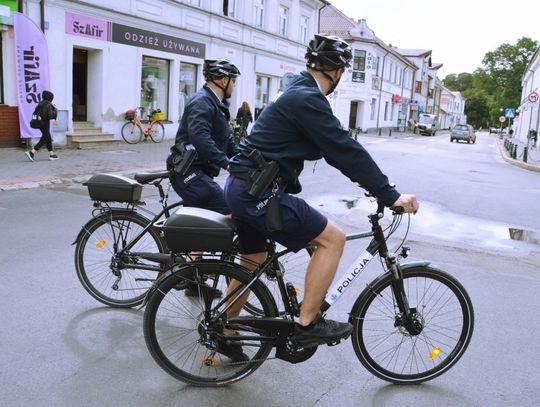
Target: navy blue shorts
199, 190
301, 223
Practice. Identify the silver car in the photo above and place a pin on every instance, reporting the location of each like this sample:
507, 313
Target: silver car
463, 132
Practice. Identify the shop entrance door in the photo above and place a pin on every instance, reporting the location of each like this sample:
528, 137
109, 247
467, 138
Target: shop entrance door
80, 83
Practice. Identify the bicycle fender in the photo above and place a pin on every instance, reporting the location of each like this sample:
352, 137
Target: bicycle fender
104, 215
367, 290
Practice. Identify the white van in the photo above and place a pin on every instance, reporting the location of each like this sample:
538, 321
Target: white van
428, 124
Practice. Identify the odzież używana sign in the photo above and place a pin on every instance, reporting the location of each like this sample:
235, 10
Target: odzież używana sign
89, 27
123, 34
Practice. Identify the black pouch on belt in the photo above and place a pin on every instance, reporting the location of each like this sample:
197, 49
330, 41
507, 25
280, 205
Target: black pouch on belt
273, 215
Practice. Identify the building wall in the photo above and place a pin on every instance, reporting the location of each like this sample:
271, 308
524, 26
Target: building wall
114, 69
529, 118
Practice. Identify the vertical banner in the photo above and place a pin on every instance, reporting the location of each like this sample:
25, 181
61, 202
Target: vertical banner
32, 68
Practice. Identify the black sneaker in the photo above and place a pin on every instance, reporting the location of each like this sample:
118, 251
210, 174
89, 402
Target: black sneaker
232, 351
194, 289
321, 331
53, 157
30, 155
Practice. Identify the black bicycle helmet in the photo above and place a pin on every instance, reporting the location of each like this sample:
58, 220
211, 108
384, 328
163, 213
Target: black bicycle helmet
327, 52
219, 68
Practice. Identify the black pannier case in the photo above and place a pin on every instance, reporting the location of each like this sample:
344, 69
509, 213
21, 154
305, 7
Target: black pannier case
190, 229
109, 188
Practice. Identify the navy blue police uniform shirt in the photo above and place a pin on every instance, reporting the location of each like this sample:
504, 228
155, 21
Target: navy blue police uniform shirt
300, 125
205, 125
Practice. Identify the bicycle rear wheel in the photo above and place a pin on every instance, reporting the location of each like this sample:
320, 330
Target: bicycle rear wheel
180, 334
102, 272
157, 132
131, 133
443, 315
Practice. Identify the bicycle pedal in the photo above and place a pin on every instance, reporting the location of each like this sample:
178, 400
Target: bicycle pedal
334, 343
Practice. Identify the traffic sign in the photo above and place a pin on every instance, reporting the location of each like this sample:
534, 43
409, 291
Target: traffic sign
510, 113
533, 97
502, 119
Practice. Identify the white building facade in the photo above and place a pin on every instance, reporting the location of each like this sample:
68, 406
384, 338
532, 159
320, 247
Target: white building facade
375, 92
528, 118
452, 109
109, 56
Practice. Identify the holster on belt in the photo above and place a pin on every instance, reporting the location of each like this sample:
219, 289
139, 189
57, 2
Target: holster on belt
262, 177
184, 157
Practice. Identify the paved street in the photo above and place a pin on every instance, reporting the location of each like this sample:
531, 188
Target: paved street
62, 348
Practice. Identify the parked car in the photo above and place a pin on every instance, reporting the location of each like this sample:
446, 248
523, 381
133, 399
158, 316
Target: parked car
428, 124
463, 132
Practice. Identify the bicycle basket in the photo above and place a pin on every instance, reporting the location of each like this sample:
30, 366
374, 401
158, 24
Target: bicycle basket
113, 188
130, 114
158, 115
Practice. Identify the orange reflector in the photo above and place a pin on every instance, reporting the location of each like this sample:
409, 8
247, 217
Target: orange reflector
100, 244
434, 353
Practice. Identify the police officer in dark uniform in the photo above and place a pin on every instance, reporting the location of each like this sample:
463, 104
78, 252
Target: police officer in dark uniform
205, 128
299, 125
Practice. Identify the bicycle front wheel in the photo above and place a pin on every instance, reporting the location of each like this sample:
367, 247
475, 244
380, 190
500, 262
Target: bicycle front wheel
182, 336
131, 133
157, 132
443, 325
114, 280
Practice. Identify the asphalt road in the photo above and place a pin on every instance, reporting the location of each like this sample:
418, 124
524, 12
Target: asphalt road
62, 348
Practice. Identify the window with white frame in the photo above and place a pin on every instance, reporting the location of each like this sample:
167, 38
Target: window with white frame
304, 29
229, 8
385, 111
258, 13
187, 85
359, 66
262, 90
372, 106
283, 26
154, 84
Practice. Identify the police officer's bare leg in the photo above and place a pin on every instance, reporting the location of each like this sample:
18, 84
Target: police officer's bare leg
321, 270
250, 262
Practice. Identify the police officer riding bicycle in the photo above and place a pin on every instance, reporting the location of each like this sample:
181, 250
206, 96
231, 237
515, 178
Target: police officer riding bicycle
203, 142
299, 125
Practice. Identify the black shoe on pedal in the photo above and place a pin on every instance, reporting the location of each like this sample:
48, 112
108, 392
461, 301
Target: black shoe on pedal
321, 331
196, 290
232, 351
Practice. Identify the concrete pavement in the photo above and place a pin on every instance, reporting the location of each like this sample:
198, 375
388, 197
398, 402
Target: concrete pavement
18, 172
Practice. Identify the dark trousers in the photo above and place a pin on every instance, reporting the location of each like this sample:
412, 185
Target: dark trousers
45, 139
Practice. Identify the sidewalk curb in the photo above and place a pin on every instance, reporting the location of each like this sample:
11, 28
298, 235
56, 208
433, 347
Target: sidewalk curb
79, 179
521, 164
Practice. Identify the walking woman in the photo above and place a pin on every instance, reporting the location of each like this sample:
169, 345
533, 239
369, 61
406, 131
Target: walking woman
47, 111
243, 116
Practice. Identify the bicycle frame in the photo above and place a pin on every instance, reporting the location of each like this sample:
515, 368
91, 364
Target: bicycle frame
376, 246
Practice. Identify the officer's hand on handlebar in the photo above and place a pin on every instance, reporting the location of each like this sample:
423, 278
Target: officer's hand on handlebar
407, 202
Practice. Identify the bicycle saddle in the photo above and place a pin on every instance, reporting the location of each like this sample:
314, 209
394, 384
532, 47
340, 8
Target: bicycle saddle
147, 177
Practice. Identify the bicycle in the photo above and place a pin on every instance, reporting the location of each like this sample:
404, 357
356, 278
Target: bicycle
411, 324
134, 130
239, 133
119, 252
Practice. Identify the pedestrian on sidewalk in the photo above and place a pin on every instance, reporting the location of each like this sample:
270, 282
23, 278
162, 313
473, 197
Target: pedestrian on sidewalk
47, 112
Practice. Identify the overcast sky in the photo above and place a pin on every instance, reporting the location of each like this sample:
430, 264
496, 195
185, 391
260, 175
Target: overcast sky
459, 32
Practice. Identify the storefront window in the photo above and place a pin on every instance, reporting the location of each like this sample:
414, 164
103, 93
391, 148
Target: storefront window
261, 91
155, 84
188, 85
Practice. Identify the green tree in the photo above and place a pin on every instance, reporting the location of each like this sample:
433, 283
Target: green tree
461, 82
477, 110
505, 67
